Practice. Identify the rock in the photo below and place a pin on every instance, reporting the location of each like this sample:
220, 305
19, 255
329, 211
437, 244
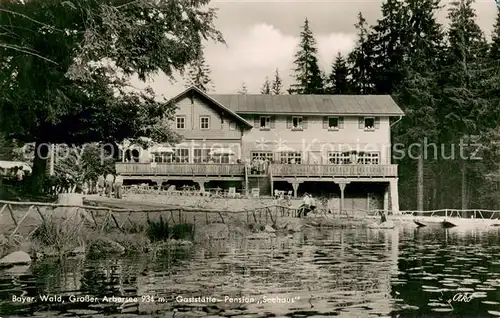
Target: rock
269, 229
295, 226
104, 246
387, 225
16, 258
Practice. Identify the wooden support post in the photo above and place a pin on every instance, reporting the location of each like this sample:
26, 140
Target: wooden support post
342, 184
295, 186
394, 196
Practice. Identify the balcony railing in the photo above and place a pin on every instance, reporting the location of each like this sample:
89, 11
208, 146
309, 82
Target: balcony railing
299, 170
180, 169
238, 170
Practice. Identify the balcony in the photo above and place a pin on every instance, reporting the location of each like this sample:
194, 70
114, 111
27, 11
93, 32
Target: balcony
180, 169
320, 171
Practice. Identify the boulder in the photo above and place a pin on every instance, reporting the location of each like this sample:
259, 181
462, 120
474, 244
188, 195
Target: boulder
104, 246
15, 258
387, 225
269, 229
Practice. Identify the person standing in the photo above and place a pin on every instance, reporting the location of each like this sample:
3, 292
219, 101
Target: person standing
100, 184
118, 186
109, 184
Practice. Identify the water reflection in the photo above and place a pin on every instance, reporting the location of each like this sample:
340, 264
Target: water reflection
356, 272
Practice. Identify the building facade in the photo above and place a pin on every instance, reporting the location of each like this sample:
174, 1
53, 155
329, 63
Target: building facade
332, 142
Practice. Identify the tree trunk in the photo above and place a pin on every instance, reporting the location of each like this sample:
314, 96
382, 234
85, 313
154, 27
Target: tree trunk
464, 195
420, 183
39, 172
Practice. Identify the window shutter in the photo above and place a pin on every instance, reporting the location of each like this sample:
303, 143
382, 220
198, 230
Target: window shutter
288, 122
325, 122
341, 122
272, 123
256, 122
304, 122
361, 123
377, 122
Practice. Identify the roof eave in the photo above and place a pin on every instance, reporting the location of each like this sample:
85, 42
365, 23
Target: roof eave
321, 114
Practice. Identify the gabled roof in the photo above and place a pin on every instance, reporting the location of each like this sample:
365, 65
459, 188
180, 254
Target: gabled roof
362, 105
212, 101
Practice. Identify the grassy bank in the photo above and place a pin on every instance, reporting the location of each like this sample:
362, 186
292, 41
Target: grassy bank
57, 238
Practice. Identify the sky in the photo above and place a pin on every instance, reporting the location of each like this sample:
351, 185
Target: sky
263, 35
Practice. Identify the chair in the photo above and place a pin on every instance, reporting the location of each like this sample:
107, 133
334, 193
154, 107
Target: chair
255, 192
290, 194
232, 192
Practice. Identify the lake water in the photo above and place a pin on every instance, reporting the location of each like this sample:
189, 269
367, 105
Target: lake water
345, 273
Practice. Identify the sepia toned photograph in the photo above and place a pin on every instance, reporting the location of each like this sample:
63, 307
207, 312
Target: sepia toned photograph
234, 158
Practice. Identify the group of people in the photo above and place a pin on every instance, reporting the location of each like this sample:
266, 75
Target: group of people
110, 185
308, 205
259, 165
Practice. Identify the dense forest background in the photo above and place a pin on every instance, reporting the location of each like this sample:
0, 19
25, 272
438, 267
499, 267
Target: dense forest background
447, 80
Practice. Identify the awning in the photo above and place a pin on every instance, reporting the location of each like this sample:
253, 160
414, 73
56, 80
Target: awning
11, 164
221, 151
162, 149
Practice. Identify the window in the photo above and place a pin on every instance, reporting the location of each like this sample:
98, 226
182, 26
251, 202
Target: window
181, 155
369, 123
333, 123
163, 157
180, 122
338, 157
225, 158
291, 158
262, 154
201, 155
369, 158
232, 125
297, 122
204, 122
265, 122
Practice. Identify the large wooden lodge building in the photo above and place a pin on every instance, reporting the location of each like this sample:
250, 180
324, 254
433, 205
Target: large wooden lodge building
333, 145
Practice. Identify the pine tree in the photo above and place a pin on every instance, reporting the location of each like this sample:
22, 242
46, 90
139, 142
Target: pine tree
389, 41
277, 84
199, 75
337, 80
464, 105
359, 60
307, 72
243, 90
418, 92
266, 87
495, 38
